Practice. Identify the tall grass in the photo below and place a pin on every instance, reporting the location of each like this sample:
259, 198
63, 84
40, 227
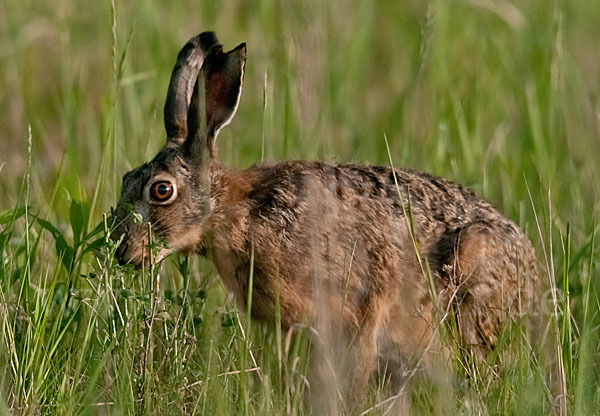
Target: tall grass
497, 95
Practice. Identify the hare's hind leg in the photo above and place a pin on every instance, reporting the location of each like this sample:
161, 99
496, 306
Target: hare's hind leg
489, 282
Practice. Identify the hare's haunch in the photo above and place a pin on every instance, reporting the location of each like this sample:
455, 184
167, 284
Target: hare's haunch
374, 256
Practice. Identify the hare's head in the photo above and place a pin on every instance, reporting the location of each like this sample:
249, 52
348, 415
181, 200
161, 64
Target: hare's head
170, 195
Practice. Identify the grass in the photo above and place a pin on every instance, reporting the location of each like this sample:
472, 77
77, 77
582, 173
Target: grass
497, 95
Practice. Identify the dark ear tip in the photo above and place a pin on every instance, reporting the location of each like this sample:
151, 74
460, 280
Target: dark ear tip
207, 40
240, 50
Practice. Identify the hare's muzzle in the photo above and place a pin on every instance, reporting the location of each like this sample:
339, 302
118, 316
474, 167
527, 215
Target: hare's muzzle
121, 250
124, 250
132, 240
120, 237
119, 234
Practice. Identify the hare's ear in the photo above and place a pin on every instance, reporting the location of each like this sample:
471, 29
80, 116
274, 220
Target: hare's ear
216, 95
189, 62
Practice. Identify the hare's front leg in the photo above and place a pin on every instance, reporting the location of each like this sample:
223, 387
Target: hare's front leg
344, 357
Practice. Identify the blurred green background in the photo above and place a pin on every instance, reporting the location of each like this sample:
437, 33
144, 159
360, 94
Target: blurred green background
487, 93
502, 96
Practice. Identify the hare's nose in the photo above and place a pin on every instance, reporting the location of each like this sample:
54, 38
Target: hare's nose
121, 250
122, 261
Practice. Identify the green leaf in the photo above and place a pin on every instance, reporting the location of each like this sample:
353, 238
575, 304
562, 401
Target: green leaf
4, 237
143, 298
11, 214
94, 246
63, 250
227, 321
78, 217
97, 229
50, 227
164, 315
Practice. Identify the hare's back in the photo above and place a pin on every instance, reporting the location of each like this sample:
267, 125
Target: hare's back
286, 190
310, 215
378, 212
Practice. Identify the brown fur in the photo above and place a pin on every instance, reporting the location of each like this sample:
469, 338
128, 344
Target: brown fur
336, 244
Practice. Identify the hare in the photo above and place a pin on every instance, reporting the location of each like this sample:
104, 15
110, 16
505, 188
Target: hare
372, 252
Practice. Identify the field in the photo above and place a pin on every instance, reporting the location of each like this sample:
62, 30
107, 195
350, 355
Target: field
501, 96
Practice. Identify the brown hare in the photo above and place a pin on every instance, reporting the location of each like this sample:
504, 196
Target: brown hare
380, 255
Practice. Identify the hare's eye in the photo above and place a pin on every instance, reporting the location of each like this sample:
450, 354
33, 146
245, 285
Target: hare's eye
162, 191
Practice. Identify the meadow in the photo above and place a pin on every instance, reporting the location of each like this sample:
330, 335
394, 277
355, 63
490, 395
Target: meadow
501, 96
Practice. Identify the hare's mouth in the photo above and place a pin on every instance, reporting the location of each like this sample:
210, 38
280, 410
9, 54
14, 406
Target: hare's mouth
132, 254
164, 253
139, 254
139, 259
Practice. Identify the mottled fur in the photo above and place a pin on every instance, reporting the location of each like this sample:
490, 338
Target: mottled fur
338, 243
